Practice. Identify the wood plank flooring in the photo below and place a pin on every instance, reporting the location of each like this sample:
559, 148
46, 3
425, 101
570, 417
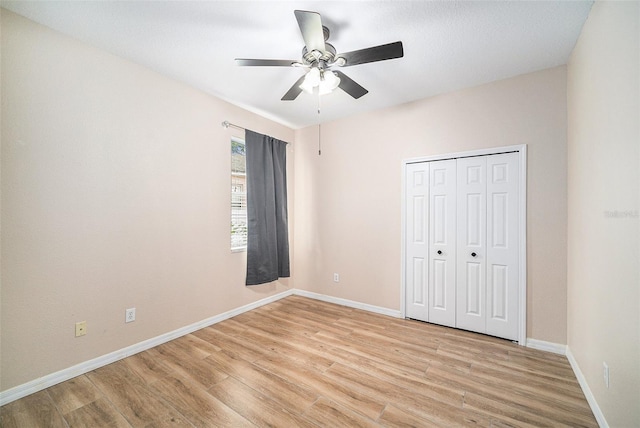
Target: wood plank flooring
304, 363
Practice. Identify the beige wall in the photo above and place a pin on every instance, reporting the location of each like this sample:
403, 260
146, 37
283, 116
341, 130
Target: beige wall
115, 194
604, 160
348, 200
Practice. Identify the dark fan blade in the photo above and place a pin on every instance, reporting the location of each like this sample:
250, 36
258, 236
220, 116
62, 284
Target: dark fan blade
266, 62
311, 28
295, 90
350, 86
376, 53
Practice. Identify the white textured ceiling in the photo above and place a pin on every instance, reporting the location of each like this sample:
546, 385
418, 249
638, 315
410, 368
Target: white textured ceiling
448, 45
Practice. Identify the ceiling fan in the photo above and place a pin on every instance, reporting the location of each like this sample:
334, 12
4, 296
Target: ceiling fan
321, 58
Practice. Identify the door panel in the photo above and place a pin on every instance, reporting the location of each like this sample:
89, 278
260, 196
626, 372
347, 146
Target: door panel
471, 240
442, 242
503, 245
475, 218
499, 223
419, 286
416, 245
498, 293
440, 219
439, 300
474, 289
419, 219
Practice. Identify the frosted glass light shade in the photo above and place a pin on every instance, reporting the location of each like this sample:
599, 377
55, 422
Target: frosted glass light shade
311, 80
325, 80
328, 82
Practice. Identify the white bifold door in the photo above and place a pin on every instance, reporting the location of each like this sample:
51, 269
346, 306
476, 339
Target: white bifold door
462, 231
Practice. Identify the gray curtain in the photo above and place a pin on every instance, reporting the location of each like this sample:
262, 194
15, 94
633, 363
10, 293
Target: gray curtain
268, 236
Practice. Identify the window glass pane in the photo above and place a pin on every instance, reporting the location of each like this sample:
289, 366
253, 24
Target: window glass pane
238, 196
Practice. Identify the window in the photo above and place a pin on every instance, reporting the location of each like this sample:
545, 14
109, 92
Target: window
238, 196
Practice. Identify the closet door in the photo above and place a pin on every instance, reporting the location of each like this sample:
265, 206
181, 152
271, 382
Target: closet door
442, 242
502, 245
471, 244
416, 243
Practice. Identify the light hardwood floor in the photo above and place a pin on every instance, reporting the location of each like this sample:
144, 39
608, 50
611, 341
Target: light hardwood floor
304, 363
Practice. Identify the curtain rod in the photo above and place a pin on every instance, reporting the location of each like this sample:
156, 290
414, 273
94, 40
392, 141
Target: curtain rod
226, 124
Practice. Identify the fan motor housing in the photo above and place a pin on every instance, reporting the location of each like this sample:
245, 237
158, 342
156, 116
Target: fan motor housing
311, 58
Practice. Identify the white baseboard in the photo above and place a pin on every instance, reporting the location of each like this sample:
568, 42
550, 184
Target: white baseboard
591, 399
348, 303
542, 345
564, 350
44, 382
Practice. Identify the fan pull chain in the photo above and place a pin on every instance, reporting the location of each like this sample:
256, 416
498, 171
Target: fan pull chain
319, 134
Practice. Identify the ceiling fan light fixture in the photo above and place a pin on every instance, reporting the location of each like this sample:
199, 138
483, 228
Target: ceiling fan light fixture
307, 87
311, 80
328, 82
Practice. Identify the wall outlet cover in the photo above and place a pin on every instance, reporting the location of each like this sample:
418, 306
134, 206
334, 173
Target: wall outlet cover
81, 328
130, 315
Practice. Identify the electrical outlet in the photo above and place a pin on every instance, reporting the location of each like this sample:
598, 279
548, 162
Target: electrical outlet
130, 315
605, 372
81, 328
336, 277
